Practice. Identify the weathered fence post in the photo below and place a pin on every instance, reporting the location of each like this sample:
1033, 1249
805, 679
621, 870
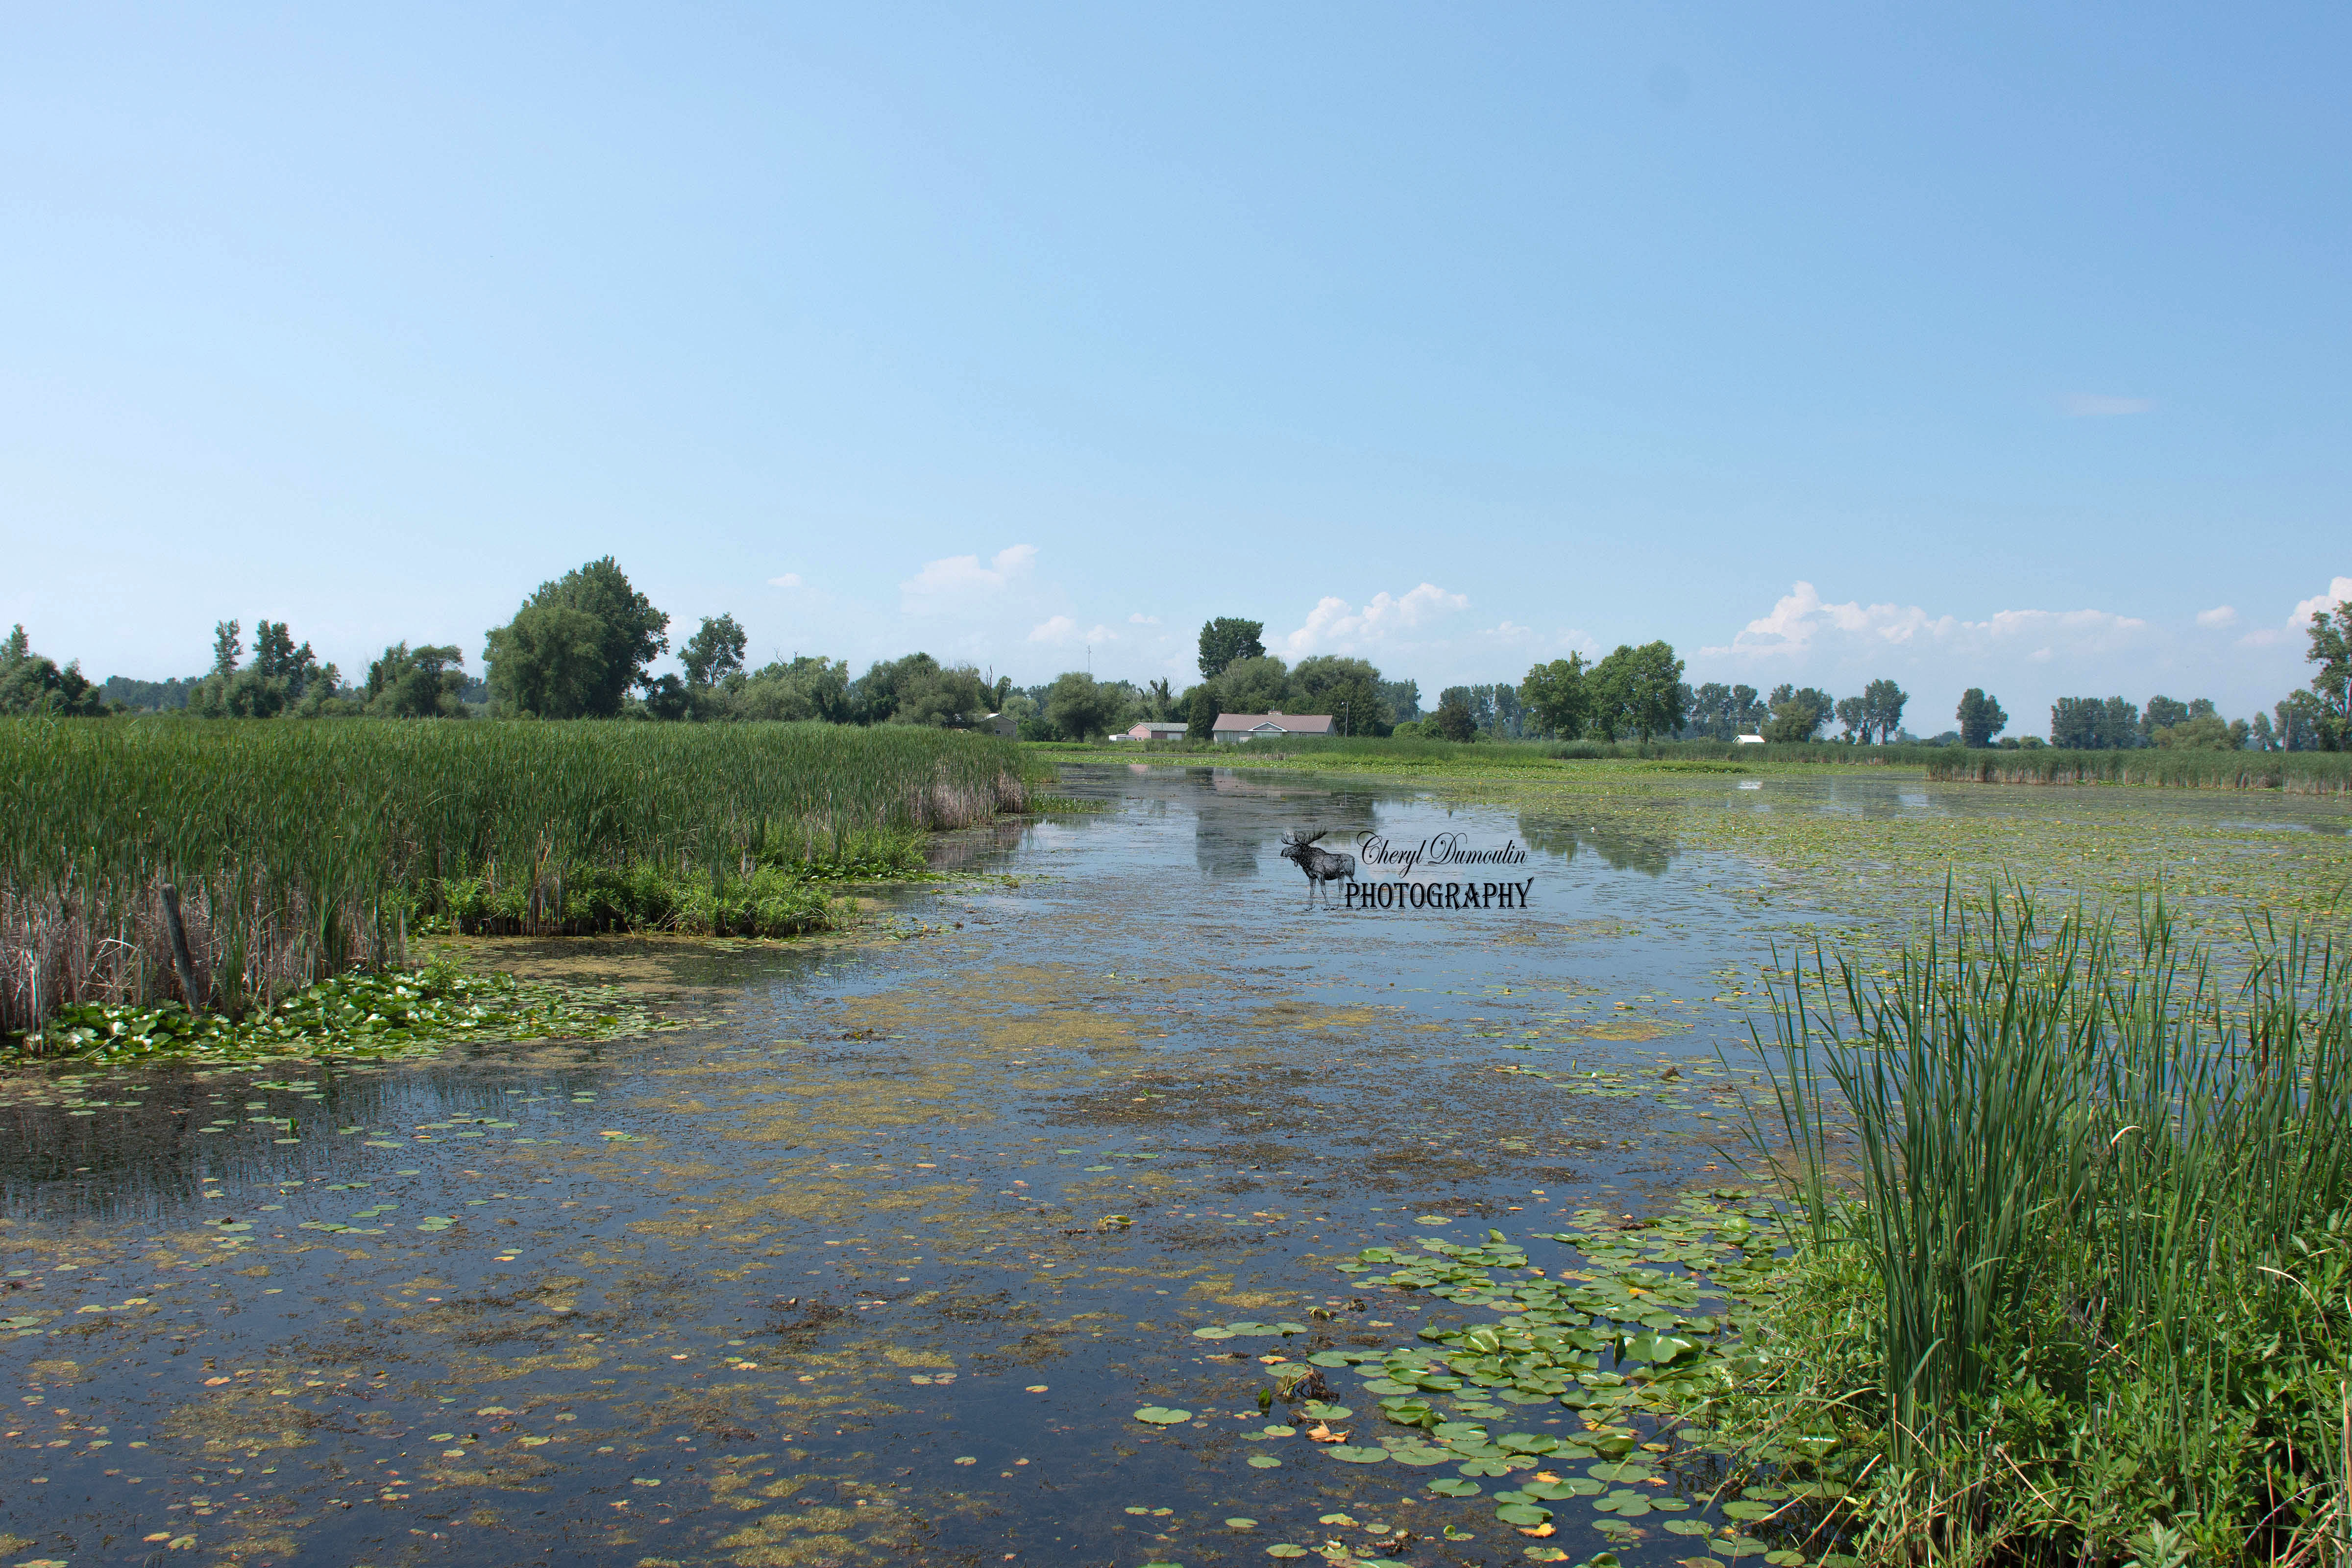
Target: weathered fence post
181, 962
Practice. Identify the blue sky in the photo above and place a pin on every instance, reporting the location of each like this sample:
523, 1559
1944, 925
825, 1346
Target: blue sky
2000, 346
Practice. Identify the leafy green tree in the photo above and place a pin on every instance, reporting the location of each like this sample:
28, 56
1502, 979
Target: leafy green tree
30, 684
919, 690
1225, 641
1079, 707
1159, 701
2259, 736
1798, 713
1452, 719
1400, 701
1260, 684
1558, 698
228, 648
2299, 719
2161, 713
416, 683
808, 688
577, 646
1881, 708
551, 661
2205, 732
1980, 718
1853, 718
1348, 689
2331, 650
946, 697
1638, 690
714, 652
1201, 710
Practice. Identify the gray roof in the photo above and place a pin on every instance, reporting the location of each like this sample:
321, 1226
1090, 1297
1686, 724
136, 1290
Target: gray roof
1288, 723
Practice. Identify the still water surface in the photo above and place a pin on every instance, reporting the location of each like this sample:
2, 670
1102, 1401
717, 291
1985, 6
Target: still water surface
877, 1257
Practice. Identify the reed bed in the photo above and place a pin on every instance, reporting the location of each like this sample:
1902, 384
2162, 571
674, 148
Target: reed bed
301, 851
2291, 773
2074, 1276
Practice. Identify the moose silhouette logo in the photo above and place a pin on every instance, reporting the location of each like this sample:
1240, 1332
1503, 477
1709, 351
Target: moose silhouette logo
1321, 866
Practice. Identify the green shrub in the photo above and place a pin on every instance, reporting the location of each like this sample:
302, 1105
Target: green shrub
2072, 1274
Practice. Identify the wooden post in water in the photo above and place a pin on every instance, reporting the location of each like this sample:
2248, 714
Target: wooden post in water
181, 962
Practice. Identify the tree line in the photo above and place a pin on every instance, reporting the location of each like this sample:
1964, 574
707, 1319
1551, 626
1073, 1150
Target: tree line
582, 645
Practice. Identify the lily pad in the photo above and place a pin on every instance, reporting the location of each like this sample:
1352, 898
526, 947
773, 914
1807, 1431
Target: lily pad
1523, 1514
1263, 1462
1449, 1486
1285, 1551
1161, 1415
1347, 1453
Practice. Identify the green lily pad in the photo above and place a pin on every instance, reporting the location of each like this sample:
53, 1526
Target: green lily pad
1688, 1527
1213, 1332
1240, 1523
1263, 1462
1347, 1453
1389, 1386
1285, 1551
1419, 1457
1523, 1513
1322, 1411
1161, 1415
1449, 1486
1745, 1511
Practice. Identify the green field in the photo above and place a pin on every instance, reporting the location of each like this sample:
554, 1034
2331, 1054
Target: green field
2293, 773
300, 850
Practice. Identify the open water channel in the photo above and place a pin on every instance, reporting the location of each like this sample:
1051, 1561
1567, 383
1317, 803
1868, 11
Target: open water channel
879, 1257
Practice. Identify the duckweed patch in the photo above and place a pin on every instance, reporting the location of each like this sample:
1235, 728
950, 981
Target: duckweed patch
396, 1014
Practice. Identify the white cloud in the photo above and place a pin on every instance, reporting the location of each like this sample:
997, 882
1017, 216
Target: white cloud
2337, 593
1141, 619
2298, 620
2093, 405
1061, 631
963, 577
1332, 627
1801, 620
789, 579
2217, 618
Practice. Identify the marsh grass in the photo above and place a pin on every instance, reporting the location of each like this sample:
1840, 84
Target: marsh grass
2293, 773
2073, 1270
301, 851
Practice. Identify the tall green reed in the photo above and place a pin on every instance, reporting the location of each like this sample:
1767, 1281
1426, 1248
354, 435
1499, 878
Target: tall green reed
302, 848
2081, 1174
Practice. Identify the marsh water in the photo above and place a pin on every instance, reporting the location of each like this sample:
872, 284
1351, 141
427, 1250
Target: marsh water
879, 1253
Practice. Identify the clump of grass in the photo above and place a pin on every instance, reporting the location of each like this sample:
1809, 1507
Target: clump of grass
2293, 773
2073, 1279
392, 1014
303, 851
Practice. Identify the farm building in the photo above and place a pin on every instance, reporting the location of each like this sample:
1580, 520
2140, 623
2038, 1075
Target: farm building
1234, 728
1153, 730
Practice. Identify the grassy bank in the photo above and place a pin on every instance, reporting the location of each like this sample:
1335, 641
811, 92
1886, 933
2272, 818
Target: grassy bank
300, 851
2296, 772
2073, 1279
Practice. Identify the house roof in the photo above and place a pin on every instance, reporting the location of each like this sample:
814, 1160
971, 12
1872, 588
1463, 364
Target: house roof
1283, 723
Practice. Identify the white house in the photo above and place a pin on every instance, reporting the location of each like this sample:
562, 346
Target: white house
1153, 730
1234, 728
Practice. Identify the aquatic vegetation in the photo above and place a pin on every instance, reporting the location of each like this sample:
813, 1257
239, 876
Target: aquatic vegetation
299, 851
2073, 1270
388, 1014
2295, 773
